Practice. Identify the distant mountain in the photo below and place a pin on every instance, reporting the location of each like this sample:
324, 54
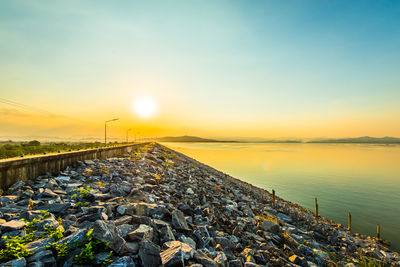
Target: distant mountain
185, 138
360, 140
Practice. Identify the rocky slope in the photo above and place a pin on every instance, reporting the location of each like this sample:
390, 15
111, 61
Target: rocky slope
159, 207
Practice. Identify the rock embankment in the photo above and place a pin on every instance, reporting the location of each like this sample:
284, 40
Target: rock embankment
158, 207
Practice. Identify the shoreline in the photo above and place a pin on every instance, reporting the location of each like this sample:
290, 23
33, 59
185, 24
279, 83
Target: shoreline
159, 206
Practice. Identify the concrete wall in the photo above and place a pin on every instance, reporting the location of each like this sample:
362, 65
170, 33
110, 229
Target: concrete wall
22, 169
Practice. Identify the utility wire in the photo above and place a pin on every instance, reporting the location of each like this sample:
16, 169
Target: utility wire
23, 106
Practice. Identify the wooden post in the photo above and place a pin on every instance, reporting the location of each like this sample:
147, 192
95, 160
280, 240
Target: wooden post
378, 231
316, 207
273, 197
349, 221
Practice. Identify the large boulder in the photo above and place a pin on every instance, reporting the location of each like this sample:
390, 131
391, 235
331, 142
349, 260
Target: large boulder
107, 232
179, 221
123, 262
176, 254
270, 226
21, 262
143, 232
149, 254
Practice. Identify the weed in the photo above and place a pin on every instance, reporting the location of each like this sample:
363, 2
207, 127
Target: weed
92, 247
15, 248
61, 249
82, 204
56, 233
83, 192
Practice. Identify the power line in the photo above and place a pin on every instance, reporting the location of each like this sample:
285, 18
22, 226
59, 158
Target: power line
23, 106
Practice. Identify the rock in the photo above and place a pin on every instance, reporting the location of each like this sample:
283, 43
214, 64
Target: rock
188, 240
321, 254
235, 263
306, 251
143, 232
76, 239
149, 254
42, 256
176, 254
284, 217
107, 232
123, 220
124, 229
270, 227
179, 221
123, 262
48, 193
39, 245
189, 191
21, 262
225, 242
62, 178
16, 186
298, 260
133, 247
203, 259
55, 207
12, 226
221, 259
144, 209
99, 258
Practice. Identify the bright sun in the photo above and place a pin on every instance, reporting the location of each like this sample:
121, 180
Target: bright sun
145, 107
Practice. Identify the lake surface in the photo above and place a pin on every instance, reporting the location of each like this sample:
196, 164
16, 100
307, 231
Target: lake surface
363, 179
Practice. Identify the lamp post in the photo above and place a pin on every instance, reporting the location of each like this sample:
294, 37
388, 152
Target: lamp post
127, 135
105, 130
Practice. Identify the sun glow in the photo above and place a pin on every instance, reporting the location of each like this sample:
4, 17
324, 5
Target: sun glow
145, 107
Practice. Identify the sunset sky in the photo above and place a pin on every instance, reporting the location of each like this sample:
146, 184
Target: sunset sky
268, 69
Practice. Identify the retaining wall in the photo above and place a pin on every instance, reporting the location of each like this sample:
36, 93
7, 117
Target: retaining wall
22, 169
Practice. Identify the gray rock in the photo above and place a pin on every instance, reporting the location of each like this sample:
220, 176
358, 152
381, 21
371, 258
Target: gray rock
43, 255
12, 226
132, 247
76, 239
176, 254
270, 227
123, 262
124, 229
39, 245
144, 209
123, 220
62, 178
21, 262
166, 234
188, 240
221, 259
179, 221
225, 242
235, 263
306, 251
16, 186
107, 232
48, 193
143, 232
284, 217
203, 259
149, 254
54, 208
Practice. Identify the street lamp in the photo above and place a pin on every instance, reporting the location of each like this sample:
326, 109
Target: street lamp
127, 135
105, 130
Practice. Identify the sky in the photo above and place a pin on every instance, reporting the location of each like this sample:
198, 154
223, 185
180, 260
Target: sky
225, 69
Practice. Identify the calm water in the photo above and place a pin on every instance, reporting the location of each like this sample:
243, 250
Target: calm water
362, 179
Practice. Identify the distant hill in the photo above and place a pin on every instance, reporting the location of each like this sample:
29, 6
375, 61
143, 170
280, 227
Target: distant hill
360, 140
185, 138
